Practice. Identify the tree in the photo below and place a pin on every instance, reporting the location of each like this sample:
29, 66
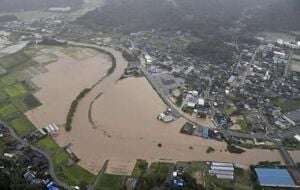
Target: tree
11, 178
190, 183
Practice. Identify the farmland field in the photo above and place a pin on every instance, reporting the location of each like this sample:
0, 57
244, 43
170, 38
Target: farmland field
7, 111
17, 96
15, 90
110, 182
22, 125
70, 174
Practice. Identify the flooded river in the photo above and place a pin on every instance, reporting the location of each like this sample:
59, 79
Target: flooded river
117, 119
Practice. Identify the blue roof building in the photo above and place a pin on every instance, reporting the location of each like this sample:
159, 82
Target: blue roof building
205, 132
52, 186
273, 177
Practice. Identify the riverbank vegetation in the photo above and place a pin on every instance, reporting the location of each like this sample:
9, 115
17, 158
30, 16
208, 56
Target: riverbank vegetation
73, 108
74, 104
234, 149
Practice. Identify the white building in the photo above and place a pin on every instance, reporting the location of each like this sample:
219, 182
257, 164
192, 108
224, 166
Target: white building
297, 137
295, 45
222, 170
201, 101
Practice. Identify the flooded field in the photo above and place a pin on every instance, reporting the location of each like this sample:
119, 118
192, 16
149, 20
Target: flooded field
295, 155
64, 79
127, 129
116, 120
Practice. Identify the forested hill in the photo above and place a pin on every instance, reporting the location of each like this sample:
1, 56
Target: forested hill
19, 5
135, 15
195, 15
282, 15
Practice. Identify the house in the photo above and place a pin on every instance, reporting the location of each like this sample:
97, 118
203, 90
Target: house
293, 117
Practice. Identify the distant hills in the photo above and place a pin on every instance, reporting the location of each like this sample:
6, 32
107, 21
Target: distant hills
282, 15
8, 18
194, 15
26, 5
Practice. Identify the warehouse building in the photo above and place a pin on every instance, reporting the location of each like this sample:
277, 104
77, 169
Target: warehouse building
222, 170
273, 177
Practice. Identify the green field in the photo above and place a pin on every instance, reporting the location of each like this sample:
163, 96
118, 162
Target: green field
242, 179
196, 166
8, 111
31, 101
13, 93
7, 80
287, 105
25, 103
3, 96
140, 168
13, 60
155, 175
110, 182
19, 104
17, 61
243, 124
22, 125
16, 98
73, 174
15, 90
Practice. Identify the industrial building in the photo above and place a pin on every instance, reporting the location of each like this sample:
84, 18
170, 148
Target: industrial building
222, 170
274, 177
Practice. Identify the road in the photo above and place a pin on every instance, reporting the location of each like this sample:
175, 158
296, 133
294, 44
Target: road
180, 113
286, 156
50, 163
227, 133
107, 50
99, 174
289, 133
176, 111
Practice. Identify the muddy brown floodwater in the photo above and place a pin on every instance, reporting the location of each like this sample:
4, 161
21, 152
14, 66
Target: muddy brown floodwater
64, 80
125, 125
128, 130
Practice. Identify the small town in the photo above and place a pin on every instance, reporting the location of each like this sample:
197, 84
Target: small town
223, 98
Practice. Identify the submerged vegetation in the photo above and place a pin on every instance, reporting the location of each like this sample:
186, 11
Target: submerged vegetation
234, 149
73, 108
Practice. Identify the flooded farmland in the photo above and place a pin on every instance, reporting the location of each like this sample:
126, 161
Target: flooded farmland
63, 81
116, 120
127, 129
